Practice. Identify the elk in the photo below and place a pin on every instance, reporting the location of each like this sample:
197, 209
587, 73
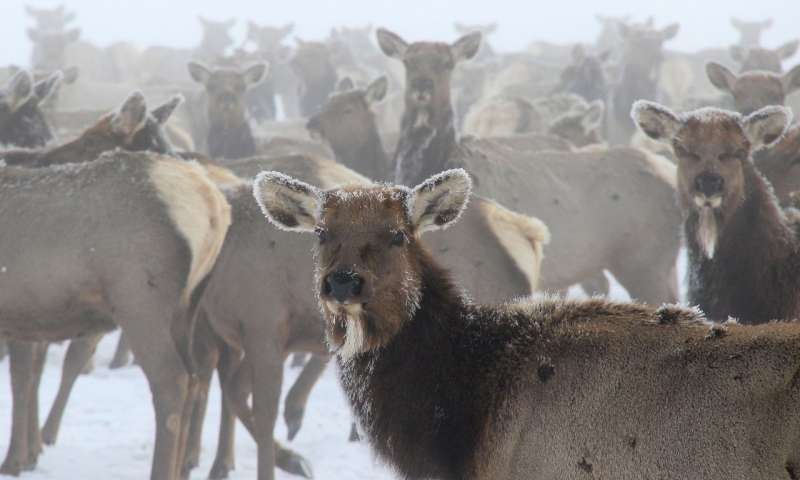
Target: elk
758, 58
316, 75
494, 386
561, 188
53, 19
729, 208
754, 90
229, 133
642, 57
22, 122
50, 47
750, 32
504, 247
162, 221
585, 76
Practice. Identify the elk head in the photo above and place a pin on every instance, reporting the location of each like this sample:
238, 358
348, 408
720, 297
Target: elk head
754, 90
226, 88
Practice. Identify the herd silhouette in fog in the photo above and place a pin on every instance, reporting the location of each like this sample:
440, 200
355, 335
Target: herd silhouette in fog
134, 186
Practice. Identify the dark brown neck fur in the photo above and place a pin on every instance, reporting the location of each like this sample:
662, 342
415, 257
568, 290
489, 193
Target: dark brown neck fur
755, 273
424, 151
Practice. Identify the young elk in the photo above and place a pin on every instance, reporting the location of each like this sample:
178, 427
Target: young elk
447, 389
754, 90
22, 122
744, 254
229, 133
766, 59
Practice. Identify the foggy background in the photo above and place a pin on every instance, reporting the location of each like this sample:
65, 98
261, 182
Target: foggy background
704, 23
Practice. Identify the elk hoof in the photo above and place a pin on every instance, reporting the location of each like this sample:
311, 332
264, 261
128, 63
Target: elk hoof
189, 465
219, 470
294, 420
49, 435
295, 464
354, 436
298, 360
11, 468
119, 362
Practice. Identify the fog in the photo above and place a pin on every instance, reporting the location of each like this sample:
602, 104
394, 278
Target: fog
173, 22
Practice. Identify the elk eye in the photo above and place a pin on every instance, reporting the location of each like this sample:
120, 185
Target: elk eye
321, 233
398, 238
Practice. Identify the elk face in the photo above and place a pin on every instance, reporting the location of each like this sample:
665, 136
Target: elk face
369, 260
429, 68
580, 126
644, 45
713, 148
226, 89
585, 76
216, 36
765, 59
268, 39
754, 90
750, 32
51, 47
346, 120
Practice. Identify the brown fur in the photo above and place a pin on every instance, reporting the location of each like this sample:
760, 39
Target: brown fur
755, 89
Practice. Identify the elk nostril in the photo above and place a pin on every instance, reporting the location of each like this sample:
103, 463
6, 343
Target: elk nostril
343, 285
357, 284
709, 183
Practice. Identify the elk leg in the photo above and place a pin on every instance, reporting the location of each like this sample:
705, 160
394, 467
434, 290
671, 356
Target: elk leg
34, 437
354, 436
21, 366
122, 355
298, 360
3, 350
294, 405
224, 461
78, 353
266, 371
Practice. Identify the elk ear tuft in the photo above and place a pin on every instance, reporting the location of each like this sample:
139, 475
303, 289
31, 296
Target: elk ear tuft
131, 116
287, 203
467, 46
766, 126
199, 72
721, 77
391, 43
439, 201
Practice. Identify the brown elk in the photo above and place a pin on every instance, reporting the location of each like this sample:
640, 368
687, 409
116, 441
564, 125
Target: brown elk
504, 250
161, 221
229, 133
561, 188
767, 59
316, 74
729, 209
750, 32
754, 90
22, 122
496, 388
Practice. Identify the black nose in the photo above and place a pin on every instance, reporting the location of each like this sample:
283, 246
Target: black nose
422, 85
343, 285
709, 184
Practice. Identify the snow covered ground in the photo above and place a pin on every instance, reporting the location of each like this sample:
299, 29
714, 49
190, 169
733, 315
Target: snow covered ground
108, 427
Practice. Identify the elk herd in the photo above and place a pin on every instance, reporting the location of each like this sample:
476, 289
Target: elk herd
134, 186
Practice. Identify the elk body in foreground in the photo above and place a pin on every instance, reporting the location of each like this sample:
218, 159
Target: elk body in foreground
494, 387
497, 251
627, 208
165, 235
744, 253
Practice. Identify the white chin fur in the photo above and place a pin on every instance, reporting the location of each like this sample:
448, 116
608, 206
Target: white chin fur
707, 231
354, 338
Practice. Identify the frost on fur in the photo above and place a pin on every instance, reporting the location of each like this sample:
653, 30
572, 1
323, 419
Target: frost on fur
287, 203
439, 201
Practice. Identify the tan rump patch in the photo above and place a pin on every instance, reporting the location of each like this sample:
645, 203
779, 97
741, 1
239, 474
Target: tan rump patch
522, 236
224, 178
332, 175
198, 210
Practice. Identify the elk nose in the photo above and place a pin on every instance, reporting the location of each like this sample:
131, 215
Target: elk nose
343, 285
709, 184
422, 85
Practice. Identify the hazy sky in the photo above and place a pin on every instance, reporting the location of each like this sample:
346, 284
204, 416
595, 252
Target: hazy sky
173, 22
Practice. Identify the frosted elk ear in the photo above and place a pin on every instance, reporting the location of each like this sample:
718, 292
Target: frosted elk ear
199, 72
287, 203
345, 84
439, 201
764, 127
467, 46
787, 50
791, 80
376, 91
131, 116
48, 86
593, 117
721, 77
20, 90
656, 121
255, 74
391, 43
163, 112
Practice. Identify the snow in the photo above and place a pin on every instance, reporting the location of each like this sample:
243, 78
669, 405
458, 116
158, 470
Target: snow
108, 428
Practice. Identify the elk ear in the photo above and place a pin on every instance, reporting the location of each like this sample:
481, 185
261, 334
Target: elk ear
20, 90
287, 203
199, 72
720, 77
656, 121
791, 80
70, 75
48, 86
163, 112
131, 115
376, 91
737, 53
345, 85
391, 43
439, 201
669, 32
593, 116
467, 46
787, 50
255, 74
764, 127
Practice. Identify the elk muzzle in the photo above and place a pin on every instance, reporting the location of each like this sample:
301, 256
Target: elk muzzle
709, 188
343, 286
